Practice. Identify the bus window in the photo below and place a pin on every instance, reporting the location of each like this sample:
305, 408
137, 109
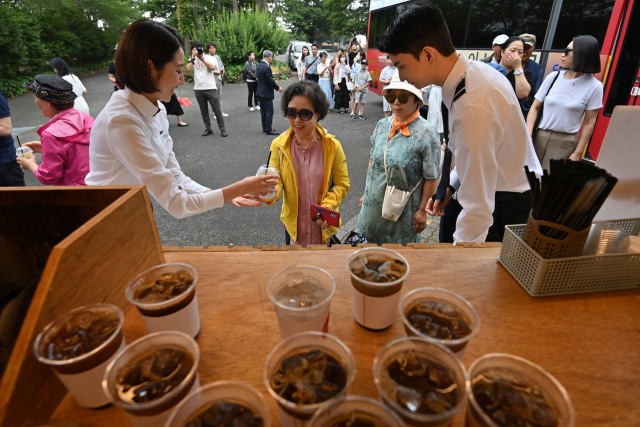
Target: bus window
582, 17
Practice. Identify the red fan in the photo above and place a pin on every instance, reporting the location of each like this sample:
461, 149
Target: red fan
183, 101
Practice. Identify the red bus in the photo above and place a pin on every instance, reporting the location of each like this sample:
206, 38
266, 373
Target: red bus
473, 25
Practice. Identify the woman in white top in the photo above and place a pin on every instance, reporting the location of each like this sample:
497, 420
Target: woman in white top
571, 96
130, 144
324, 78
300, 61
61, 67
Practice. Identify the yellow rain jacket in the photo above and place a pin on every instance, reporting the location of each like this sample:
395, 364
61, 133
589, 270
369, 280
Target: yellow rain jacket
336, 179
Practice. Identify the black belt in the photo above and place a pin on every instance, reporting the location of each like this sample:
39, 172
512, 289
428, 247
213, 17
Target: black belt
510, 196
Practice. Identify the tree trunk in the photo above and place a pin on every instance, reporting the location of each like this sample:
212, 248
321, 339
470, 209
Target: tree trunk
258, 4
195, 17
219, 5
235, 9
275, 11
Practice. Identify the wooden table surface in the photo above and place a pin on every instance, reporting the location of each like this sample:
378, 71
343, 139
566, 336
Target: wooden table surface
589, 342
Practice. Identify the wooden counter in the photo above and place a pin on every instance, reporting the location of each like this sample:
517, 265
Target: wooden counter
589, 342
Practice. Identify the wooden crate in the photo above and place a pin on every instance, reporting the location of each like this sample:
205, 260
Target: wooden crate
79, 245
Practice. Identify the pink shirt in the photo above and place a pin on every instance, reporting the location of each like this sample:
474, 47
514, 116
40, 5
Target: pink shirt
65, 149
309, 167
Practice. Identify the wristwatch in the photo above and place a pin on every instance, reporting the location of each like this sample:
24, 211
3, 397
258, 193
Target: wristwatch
518, 71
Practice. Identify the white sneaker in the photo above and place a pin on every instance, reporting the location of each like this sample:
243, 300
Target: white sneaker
252, 109
258, 107
225, 115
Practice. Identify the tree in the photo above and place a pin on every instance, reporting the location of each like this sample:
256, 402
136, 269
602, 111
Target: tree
346, 21
309, 18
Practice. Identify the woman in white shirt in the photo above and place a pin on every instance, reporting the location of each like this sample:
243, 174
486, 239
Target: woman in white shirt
130, 144
61, 67
300, 61
324, 78
571, 96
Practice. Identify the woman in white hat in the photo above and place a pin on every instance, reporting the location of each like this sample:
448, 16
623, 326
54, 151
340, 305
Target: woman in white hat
412, 157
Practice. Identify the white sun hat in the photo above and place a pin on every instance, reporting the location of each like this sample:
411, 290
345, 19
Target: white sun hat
405, 85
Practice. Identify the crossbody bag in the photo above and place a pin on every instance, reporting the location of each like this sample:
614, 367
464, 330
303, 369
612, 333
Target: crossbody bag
395, 200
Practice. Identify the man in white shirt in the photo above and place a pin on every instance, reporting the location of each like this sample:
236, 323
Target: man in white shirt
206, 87
488, 136
219, 71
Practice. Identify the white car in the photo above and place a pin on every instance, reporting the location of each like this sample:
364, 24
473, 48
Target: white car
294, 50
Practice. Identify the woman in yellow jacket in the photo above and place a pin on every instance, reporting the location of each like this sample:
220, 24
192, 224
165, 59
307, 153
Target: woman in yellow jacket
310, 162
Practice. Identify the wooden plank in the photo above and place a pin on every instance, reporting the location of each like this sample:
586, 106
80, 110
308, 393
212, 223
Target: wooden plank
589, 342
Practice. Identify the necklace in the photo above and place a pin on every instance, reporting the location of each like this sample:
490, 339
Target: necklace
304, 149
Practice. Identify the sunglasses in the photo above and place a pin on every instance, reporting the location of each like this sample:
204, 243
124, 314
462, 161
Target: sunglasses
304, 114
391, 98
567, 51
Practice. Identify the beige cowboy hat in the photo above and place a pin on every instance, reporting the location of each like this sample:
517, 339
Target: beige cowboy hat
397, 84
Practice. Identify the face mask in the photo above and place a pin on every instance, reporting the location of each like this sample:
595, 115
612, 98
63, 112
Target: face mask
342, 59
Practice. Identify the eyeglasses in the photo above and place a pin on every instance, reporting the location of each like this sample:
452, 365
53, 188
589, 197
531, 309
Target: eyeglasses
304, 114
391, 98
567, 51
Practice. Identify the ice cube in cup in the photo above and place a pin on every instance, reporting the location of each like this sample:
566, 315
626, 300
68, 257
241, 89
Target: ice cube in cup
264, 170
355, 411
24, 152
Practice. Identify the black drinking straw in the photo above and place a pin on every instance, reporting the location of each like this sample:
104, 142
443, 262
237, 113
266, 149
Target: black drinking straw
268, 160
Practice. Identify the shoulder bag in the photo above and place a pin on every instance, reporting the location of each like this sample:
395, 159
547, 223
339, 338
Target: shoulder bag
539, 118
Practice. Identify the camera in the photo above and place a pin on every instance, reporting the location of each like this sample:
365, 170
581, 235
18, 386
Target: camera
200, 51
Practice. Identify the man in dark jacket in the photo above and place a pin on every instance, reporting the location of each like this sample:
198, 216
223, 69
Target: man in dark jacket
266, 86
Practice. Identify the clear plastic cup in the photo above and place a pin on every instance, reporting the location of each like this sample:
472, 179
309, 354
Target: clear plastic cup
176, 314
375, 304
264, 170
330, 415
554, 391
291, 414
293, 320
82, 376
232, 391
156, 412
24, 152
457, 346
434, 352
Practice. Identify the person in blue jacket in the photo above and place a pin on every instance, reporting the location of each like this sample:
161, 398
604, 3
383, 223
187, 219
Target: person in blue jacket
266, 86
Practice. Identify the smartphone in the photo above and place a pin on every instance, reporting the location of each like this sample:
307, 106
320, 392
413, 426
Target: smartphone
329, 215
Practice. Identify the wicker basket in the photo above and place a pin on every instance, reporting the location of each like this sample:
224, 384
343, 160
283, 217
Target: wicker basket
581, 274
549, 248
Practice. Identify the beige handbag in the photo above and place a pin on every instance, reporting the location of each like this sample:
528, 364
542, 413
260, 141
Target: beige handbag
394, 200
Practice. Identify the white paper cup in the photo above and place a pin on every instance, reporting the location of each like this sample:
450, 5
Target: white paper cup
434, 352
457, 346
291, 320
83, 375
375, 304
156, 412
553, 390
291, 414
177, 314
263, 170
329, 415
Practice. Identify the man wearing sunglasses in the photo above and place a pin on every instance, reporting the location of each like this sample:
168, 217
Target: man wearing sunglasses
488, 135
266, 86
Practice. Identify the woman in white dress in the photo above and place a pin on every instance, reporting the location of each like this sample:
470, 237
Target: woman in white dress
61, 67
324, 73
300, 61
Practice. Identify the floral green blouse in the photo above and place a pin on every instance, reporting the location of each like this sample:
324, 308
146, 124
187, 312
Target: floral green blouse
408, 160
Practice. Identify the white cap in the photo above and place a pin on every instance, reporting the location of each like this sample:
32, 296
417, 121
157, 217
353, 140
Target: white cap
405, 85
500, 39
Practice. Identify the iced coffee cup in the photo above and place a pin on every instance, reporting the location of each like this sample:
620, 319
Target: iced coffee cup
166, 298
264, 170
377, 275
509, 390
306, 371
440, 316
421, 381
24, 152
355, 411
302, 299
152, 375
78, 346
229, 403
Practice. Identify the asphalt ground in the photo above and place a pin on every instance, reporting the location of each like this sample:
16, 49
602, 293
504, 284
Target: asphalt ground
214, 161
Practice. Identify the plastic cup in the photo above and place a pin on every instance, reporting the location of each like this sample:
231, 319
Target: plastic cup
291, 414
220, 391
82, 376
434, 352
375, 304
155, 412
292, 320
554, 391
329, 415
457, 346
24, 152
264, 170
177, 314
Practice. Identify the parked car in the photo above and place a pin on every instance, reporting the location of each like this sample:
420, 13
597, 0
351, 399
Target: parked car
293, 52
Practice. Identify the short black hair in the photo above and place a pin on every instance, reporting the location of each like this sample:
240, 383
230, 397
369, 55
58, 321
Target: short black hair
60, 65
145, 40
586, 55
323, 54
312, 91
211, 44
418, 26
63, 107
314, 44
196, 43
248, 54
510, 40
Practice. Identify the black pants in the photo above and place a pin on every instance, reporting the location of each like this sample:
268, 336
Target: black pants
253, 92
210, 96
510, 208
11, 174
312, 77
266, 113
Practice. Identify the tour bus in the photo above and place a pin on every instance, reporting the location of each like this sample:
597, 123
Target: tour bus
474, 24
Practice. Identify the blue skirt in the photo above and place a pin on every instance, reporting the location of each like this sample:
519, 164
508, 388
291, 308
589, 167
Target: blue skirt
325, 85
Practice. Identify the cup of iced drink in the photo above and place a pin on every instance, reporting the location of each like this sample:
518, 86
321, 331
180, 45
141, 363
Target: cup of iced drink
506, 390
152, 375
355, 411
377, 275
166, 298
421, 381
264, 170
222, 403
78, 346
302, 296
306, 371
440, 316
24, 152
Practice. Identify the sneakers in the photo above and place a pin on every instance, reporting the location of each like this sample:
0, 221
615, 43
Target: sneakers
257, 108
252, 109
353, 116
361, 116
225, 115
